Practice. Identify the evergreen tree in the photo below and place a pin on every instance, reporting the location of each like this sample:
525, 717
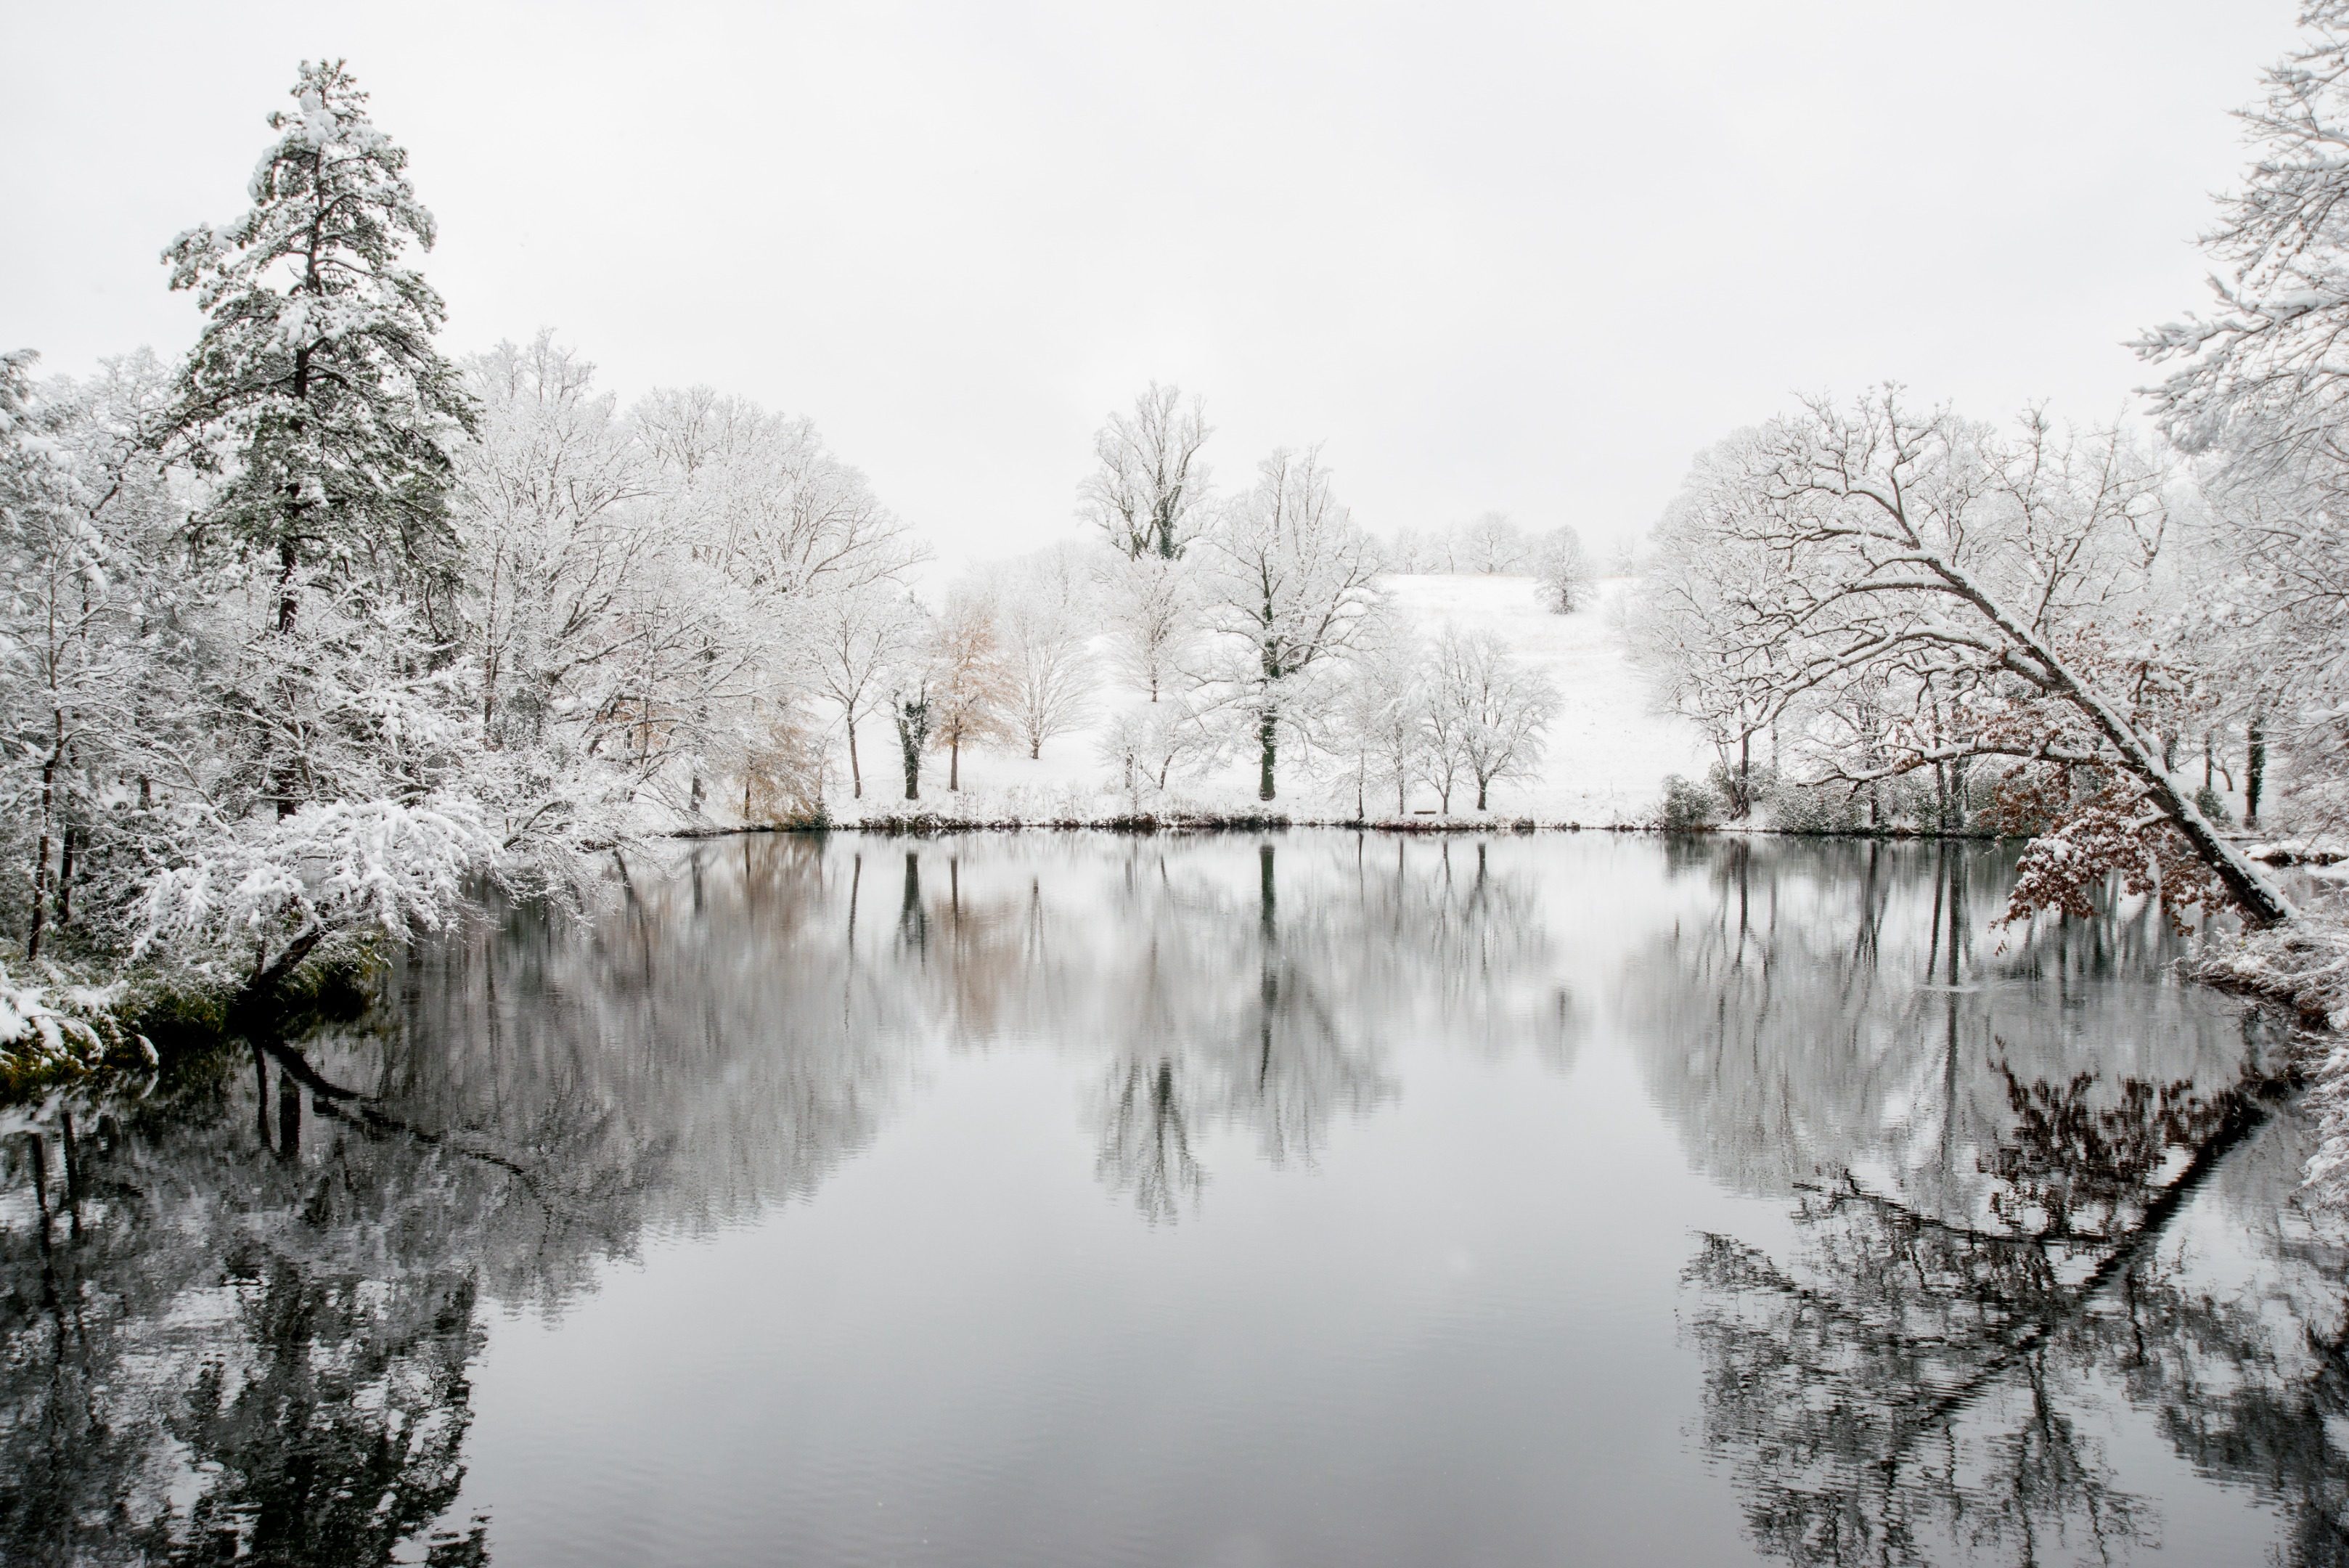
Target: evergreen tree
316, 398
316, 389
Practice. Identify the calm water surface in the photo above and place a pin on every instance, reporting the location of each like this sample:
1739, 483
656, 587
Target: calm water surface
1311, 1199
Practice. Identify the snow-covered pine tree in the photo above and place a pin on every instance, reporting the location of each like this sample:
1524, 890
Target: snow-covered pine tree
324, 421
314, 393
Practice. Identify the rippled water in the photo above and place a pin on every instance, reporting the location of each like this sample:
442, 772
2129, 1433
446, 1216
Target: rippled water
1311, 1199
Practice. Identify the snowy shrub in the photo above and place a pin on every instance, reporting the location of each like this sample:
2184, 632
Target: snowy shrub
1689, 806
273, 891
56, 1029
1811, 808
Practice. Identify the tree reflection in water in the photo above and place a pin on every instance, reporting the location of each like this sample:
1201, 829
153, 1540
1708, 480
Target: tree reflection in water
243, 1309
1992, 1262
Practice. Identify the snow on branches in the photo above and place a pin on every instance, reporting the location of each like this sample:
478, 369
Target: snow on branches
1910, 590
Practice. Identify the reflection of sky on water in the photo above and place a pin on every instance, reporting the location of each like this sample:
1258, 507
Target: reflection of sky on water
1078, 1198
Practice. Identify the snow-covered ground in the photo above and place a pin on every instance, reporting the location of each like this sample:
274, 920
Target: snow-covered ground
1608, 754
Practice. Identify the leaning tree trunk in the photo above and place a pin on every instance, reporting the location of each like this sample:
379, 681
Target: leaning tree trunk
855, 774
2262, 901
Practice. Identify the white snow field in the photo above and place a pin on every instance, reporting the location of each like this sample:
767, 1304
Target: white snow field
1607, 753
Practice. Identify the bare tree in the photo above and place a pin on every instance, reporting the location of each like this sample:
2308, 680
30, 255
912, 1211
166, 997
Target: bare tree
1149, 492
1149, 611
855, 638
1044, 604
969, 687
1489, 708
1490, 546
1672, 617
1380, 714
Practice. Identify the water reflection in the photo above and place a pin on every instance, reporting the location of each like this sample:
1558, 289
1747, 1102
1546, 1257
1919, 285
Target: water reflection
2020, 1188
1990, 1154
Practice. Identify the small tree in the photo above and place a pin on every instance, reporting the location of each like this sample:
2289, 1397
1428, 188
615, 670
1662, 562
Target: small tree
1491, 546
857, 637
1380, 716
1562, 576
1488, 709
970, 688
1044, 606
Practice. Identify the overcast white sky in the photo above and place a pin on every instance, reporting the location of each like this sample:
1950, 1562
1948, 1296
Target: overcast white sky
1526, 256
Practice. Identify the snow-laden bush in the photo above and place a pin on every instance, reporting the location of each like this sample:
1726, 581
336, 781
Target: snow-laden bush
54, 1028
263, 894
1689, 806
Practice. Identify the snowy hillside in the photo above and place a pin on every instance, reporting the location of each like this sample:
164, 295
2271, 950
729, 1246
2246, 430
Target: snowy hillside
1607, 751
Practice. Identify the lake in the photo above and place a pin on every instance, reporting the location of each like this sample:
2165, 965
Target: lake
1307, 1198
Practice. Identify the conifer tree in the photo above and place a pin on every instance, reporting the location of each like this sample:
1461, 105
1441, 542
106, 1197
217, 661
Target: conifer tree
315, 387
316, 397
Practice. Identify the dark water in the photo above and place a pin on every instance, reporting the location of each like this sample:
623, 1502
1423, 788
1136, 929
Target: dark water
1309, 1200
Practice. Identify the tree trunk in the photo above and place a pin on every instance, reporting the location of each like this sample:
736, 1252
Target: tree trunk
40, 911
2255, 768
1480, 794
1744, 778
67, 839
1035, 748
954, 762
288, 609
268, 977
1265, 743
855, 773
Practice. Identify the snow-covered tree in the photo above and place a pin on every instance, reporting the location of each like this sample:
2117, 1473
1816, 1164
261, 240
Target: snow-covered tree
1044, 610
315, 395
2260, 392
857, 638
1990, 592
1288, 577
1151, 619
1487, 712
1490, 546
1143, 743
93, 701
1410, 551
1562, 573
969, 687
909, 712
324, 422
1673, 616
1148, 493
1379, 714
